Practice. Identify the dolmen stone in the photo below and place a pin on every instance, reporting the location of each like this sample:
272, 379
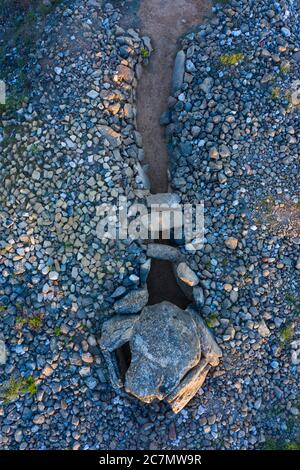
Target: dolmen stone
187, 275
178, 72
133, 302
172, 351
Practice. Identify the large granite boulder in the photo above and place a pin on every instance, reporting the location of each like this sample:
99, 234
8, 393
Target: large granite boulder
164, 252
172, 351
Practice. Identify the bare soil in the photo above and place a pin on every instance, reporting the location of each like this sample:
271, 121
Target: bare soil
165, 21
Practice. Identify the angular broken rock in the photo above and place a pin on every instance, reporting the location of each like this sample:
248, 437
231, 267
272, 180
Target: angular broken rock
143, 176
124, 74
172, 351
163, 252
145, 271
115, 332
190, 385
209, 346
93, 94
187, 275
163, 219
184, 278
198, 295
133, 302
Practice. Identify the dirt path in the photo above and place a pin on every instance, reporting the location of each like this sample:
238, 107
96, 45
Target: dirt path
164, 21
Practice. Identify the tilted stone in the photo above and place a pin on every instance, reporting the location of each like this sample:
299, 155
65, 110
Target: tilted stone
164, 347
133, 302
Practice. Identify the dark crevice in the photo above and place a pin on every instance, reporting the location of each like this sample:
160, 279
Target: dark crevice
123, 355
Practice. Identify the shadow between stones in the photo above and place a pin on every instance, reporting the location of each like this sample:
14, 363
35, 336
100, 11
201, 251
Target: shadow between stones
162, 285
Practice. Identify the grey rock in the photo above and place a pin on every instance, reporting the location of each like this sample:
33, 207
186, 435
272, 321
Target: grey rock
286, 32
296, 56
118, 292
133, 302
198, 295
143, 175
115, 332
93, 94
190, 67
209, 346
166, 220
188, 388
172, 351
3, 354
95, 3
147, 43
53, 275
178, 72
58, 70
163, 252
145, 270
187, 275
263, 330
164, 347
224, 151
206, 85
164, 198
186, 149
113, 137
134, 279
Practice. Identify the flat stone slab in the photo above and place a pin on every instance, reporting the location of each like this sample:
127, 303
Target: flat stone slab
164, 347
133, 302
163, 252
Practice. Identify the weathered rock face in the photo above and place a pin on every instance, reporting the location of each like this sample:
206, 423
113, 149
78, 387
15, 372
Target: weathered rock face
172, 351
188, 388
133, 302
164, 347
